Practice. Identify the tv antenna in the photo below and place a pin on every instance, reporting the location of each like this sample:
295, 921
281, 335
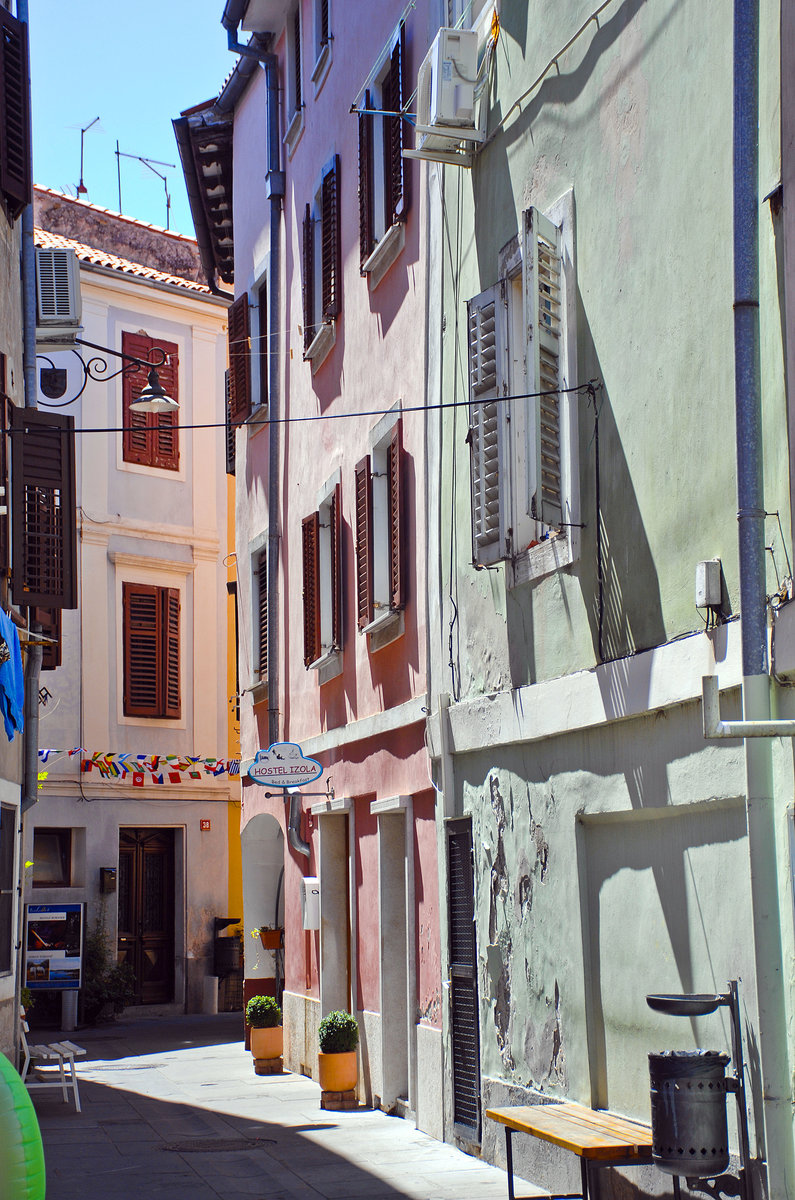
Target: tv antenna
82, 190
151, 163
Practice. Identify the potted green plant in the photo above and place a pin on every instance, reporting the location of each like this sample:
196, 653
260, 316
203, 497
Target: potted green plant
264, 1018
338, 1037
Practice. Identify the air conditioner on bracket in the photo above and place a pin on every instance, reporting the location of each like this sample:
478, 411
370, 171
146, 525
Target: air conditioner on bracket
58, 304
446, 87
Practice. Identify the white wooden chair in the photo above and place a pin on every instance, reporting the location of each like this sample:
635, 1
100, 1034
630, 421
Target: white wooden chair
53, 1065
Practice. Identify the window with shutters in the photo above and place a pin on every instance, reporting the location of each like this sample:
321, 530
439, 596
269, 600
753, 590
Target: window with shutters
380, 533
323, 41
260, 611
383, 172
322, 271
230, 428
150, 439
239, 338
523, 422
15, 156
151, 641
43, 512
294, 80
322, 583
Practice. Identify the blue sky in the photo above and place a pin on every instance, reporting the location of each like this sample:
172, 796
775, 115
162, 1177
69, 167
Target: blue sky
135, 65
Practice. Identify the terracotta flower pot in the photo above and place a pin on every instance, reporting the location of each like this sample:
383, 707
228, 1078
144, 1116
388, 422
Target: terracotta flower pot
338, 1072
271, 938
267, 1043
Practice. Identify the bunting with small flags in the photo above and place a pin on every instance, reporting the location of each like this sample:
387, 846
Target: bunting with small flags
157, 768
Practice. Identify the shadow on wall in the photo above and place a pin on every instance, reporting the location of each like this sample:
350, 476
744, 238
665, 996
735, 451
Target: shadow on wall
650, 862
617, 568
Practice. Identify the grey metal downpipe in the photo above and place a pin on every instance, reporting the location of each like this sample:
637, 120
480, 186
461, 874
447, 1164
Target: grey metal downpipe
775, 1142
294, 824
275, 193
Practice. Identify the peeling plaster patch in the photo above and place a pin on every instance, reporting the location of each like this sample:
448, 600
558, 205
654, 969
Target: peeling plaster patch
543, 1049
499, 869
502, 1007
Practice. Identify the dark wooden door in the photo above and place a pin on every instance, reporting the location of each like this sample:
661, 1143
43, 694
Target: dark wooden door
146, 911
463, 979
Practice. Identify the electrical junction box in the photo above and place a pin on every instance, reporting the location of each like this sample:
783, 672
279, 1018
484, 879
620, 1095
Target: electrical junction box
708, 589
310, 902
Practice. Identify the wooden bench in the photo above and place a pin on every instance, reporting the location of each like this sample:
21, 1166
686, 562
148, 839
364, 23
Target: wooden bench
598, 1138
53, 1064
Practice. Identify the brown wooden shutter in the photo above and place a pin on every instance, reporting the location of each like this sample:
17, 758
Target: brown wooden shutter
165, 426
239, 359
364, 543
262, 612
141, 625
308, 280
310, 531
136, 442
396, 171
336, 567
366, 241
50, 621
330, 216
394, 469
43, 512
172, 708
230, 428
299, 91
15, 156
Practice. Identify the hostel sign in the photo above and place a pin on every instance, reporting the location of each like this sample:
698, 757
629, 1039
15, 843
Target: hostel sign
283, 765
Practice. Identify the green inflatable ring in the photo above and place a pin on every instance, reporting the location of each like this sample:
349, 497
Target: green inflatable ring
21, 1152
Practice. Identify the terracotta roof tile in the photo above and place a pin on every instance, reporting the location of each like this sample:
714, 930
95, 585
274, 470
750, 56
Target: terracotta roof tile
100, 258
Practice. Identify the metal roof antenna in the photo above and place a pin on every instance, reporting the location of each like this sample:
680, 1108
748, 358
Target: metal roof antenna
82, 190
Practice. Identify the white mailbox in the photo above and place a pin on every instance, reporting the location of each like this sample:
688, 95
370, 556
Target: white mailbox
310, 902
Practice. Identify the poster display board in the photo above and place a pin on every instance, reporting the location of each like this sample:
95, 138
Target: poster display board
53, 946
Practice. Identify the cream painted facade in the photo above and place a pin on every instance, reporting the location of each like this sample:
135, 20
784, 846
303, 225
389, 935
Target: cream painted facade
167, 528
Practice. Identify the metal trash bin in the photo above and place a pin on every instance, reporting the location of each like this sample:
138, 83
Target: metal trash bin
688, 1112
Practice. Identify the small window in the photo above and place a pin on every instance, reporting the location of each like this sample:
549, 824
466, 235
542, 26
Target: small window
262, 344
294, 80
151, 633
321, 266
383, 176
380, 552
239, 335
150, 439
323, 41
322, 562
521, 339
260, 597
52, 857
8, 826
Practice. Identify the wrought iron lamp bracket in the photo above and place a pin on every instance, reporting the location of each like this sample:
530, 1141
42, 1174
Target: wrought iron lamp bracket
97, 370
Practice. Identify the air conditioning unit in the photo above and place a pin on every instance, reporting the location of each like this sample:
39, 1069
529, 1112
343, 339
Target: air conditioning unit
58, 305
446, 98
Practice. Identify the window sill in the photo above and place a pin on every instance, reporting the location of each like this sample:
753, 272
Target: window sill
387, 627
328, 666
539, 561
321, 344
294, 130
259, 691
385, 253
321, 67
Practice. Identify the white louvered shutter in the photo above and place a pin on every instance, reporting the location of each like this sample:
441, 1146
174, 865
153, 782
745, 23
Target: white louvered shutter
544, 292
487, 324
